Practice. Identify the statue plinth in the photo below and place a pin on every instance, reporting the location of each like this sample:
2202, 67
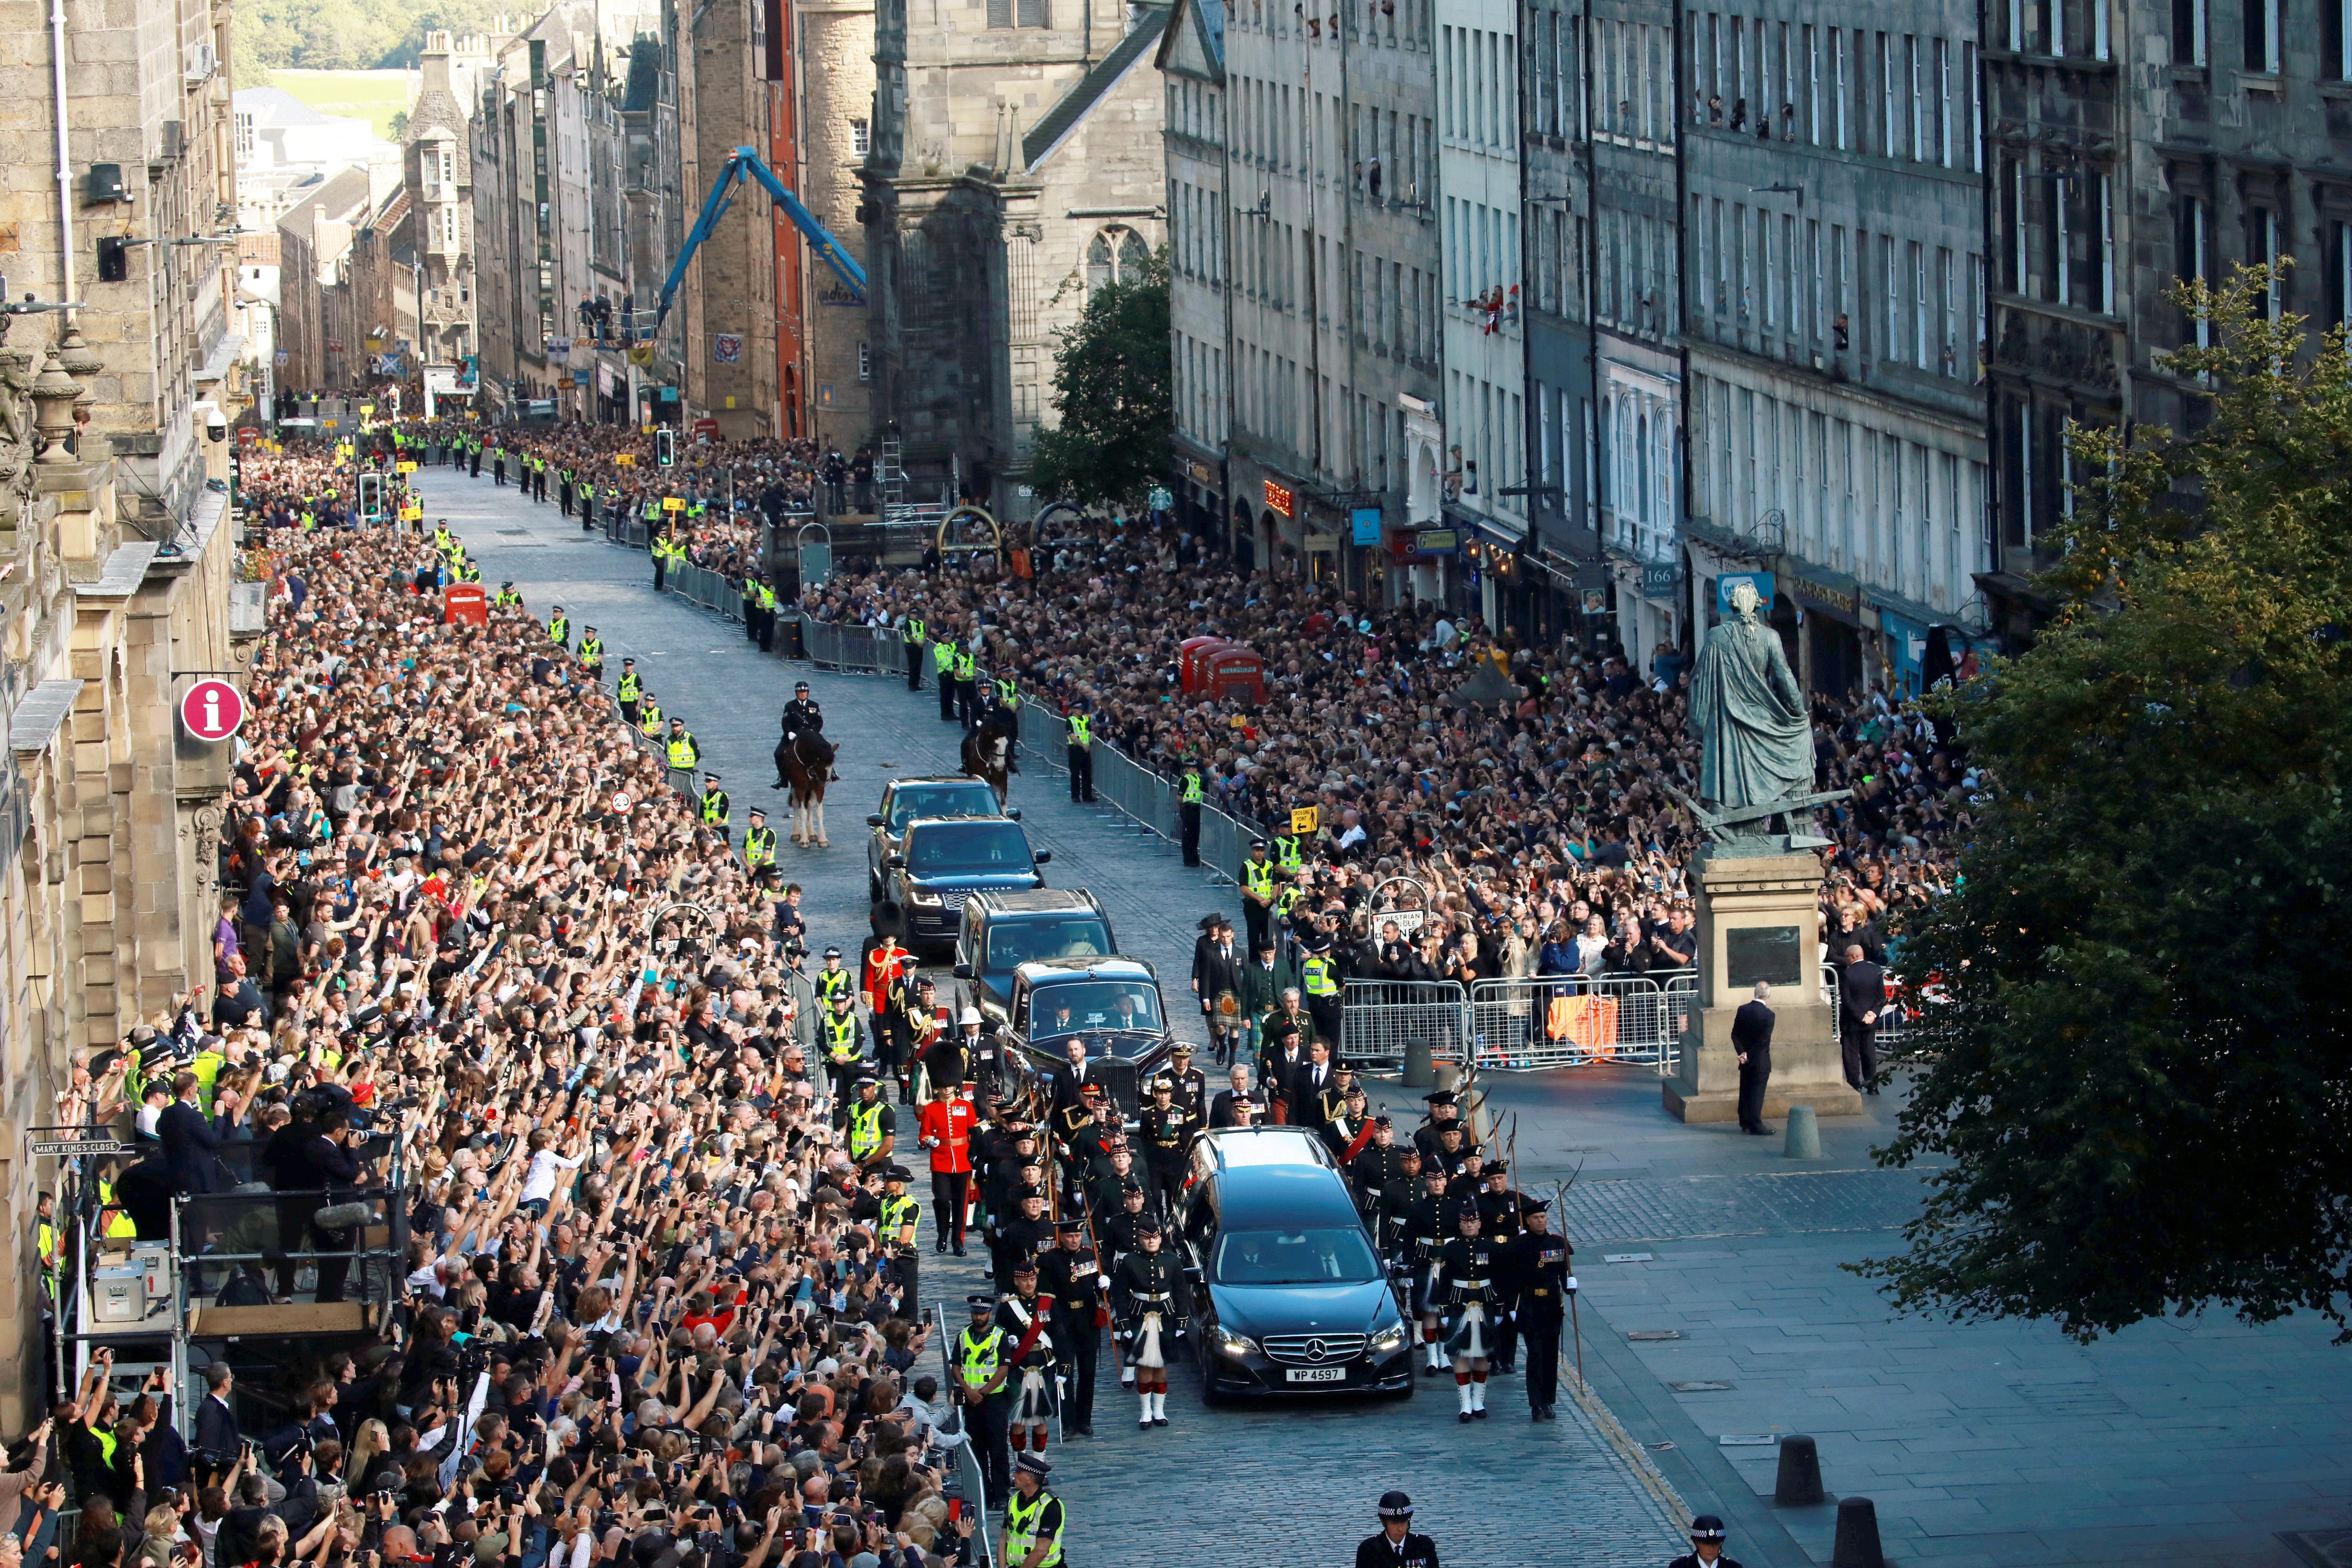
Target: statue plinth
1758, 919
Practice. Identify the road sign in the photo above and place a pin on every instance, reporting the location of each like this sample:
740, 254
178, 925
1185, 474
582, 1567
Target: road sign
621, 804
405, 467
212, 710
71, 1146
673, 504
626, 459
1305, 818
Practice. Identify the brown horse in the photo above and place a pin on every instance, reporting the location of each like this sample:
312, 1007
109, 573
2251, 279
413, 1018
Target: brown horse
806, 764
988, 751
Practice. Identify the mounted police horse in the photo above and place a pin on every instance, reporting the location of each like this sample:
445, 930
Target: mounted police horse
988, 750
804, 763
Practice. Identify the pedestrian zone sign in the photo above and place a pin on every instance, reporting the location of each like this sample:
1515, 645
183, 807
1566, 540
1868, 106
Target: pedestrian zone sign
1304, 818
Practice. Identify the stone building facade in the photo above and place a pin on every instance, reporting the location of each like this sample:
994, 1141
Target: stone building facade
1016, 163
832, 55
1304, 279
2133, 144
1834, 240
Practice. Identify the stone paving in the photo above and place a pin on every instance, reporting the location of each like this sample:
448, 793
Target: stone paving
1286, 1484
2003, 1445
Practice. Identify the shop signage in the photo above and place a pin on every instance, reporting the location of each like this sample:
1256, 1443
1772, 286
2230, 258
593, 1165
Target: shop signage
1279, 500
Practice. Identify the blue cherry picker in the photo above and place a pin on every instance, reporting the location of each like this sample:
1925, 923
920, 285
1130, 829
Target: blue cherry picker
745, 164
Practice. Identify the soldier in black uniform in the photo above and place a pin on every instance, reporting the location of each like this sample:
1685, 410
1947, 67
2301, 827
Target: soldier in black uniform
1395, 1545
1446, 1151
1107, 1187
1378, 1163
1014, 1239
1465, 1288
1445, 1110
1168, 1132
1539, 1263
1347, 1124
1021, 1316
1192, 1088
1706, 1546
1423, 1241
1119, 1229
1498, 1214
1147, 1295
1394, 1200
1070, 1279
803, 714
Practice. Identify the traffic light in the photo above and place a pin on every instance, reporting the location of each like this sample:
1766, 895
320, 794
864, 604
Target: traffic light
666, 446
372, 497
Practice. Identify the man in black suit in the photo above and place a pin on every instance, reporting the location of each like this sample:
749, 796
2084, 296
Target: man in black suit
190, 1147
1278, 1062
1070, 1075
217, 1437
1862, 995
1751, 1039
1221, 1109
1315, 1075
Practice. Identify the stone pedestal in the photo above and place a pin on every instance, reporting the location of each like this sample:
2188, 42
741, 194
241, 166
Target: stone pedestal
1756, 921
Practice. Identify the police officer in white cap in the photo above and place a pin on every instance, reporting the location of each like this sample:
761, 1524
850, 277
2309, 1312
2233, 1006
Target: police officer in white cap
1395, 1545
1707, 1534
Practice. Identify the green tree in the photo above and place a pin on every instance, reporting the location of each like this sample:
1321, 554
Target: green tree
1111, 379
2135, 1073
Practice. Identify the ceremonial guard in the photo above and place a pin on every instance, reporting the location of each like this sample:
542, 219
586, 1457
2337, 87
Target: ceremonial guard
1396, 1546
1168, 1132
1021, 1316
1015, 1237
945, 1129
1465, 1289
1147, 1294
1498, 1217
1540, 1262
1424, 1243
1192, 1088
1070, 1277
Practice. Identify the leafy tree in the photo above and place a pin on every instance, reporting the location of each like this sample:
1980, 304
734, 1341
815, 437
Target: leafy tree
1111, 389
2138, 1069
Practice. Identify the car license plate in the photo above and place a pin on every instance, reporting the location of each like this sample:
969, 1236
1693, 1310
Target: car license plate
1314, 1374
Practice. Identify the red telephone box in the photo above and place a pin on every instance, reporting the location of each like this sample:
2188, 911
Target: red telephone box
466, 602
1191, 663
1236, 674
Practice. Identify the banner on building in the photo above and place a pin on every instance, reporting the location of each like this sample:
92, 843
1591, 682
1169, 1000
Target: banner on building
604, 380
726, 348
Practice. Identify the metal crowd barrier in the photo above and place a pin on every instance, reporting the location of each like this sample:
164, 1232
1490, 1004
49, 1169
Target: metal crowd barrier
803, 994
1380, 1018
1567, 1020
1149, 799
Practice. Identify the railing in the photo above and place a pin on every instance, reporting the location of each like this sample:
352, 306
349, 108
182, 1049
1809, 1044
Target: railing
853, 651
966, 1482
1570, 1020
1149, 799
705, 587
624, 528
1522, 1025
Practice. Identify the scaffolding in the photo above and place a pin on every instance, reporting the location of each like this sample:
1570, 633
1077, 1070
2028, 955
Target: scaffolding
143, 1274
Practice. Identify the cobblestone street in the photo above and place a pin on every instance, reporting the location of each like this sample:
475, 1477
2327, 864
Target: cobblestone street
1289, 1484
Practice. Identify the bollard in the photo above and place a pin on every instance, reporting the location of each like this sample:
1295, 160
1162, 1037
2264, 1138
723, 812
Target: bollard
1800, 1480
1857, 1535
1419, 1069
1804, 1134
1448, 1076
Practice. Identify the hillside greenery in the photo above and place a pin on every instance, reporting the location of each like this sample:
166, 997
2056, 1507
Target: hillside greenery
348, 34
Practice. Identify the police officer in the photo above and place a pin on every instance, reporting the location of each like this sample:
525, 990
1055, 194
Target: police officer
1707, 1534
1146, 1293
982, 1366
1081, 755
1257, 896
914, 635
1318, 976
832, 980
802, 714
1539, 1263
758, 842
1395, 1545
868, 1126
894, 1237
628, 690
967, 687
1071, 1278
716, 810
1033, 1520
684, 755
559, 628
843, 1044
1188, 812
944, 663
